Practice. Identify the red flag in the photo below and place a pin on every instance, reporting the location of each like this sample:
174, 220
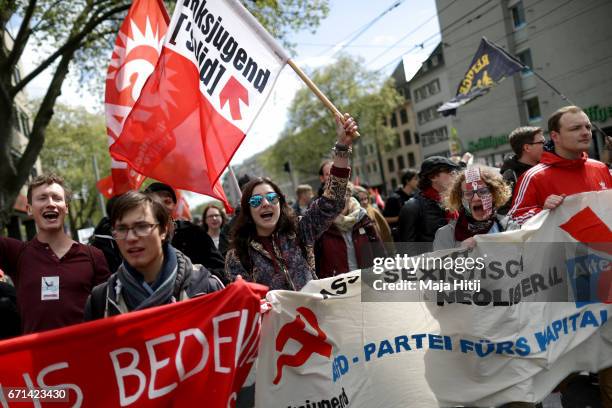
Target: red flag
134, 58
181, 210
177, 355
379, 201
216, 70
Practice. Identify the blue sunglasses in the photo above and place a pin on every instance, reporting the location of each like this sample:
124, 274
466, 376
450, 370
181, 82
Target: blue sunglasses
256, 200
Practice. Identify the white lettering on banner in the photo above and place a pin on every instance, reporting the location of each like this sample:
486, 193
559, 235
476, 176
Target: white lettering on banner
130, 370
221, 340
156, 365
180, 368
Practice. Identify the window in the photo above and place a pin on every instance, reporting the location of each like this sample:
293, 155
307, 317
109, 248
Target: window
393, 184
525, 57
398, 141
25, 124
403, 116
427, 115
391, 165
371, 149
411, 161
368, 169
393, 120
533, 109
434, 136
375, 167
425, 91
407, 138
385, 122
518, 15
400, 162
416, 138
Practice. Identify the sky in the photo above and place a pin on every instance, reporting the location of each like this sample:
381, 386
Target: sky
398, 33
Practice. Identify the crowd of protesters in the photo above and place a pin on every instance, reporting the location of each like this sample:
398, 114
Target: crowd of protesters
139, 257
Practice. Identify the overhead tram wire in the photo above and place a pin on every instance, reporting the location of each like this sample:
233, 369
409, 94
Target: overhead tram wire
423, 24
356, 34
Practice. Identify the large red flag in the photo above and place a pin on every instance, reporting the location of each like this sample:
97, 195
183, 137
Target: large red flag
134, 58
217, 67
192, 353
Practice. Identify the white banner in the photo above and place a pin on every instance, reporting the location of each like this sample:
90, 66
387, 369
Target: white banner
325, 347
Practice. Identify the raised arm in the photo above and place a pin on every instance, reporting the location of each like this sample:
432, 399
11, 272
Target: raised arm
326, 208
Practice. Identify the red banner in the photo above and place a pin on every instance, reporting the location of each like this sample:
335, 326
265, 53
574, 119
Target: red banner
134, 57
196, 352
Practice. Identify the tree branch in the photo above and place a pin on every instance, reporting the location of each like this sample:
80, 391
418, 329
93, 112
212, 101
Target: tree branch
72, 43
22, 37
43, 16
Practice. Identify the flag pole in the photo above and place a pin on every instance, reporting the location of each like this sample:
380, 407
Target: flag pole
541, 78
315, 89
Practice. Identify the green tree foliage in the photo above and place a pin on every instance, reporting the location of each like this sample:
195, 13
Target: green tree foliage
74, 137
310, 131
79, 35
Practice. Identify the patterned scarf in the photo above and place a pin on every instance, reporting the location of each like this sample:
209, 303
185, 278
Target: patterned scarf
467, 226
347, 222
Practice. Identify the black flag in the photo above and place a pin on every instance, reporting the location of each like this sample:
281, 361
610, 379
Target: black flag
489, 66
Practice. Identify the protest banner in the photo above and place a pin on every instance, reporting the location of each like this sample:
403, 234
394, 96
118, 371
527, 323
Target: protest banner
176, 355
134, 58
340, 343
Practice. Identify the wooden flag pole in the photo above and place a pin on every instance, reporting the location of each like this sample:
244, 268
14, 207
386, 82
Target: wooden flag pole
317, 92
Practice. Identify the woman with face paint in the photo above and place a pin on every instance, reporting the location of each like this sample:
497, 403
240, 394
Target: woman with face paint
476, 194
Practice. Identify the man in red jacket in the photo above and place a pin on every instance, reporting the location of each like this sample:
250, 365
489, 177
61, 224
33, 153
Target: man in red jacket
563, 170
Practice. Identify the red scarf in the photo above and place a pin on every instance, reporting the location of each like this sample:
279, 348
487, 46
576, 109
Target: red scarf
434, 195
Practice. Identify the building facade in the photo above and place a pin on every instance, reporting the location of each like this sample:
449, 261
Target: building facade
566, 43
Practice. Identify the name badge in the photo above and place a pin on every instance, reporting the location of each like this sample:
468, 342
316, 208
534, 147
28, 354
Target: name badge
49, 289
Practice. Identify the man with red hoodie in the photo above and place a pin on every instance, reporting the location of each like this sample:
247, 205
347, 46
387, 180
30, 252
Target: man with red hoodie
564, 168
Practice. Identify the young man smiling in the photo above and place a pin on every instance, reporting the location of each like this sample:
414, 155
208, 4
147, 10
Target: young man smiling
53, 274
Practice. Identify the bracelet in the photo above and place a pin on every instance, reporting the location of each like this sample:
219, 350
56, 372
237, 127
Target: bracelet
342, 154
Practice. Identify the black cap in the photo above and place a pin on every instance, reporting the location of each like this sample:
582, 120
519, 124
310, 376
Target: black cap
434, 163
159, 187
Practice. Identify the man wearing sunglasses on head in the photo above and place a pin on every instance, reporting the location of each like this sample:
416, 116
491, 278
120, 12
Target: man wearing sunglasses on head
270, 245
153, 272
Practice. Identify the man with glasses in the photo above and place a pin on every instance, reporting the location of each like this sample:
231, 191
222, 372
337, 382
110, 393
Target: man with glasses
424, 213
527, 142
153, 273
564, 168
53, 274
190, 239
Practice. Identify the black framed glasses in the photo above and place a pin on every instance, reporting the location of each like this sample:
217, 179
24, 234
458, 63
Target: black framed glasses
481, 191
256, 200
142, 229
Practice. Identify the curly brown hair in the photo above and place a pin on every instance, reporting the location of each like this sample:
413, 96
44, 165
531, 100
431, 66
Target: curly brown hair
491, 177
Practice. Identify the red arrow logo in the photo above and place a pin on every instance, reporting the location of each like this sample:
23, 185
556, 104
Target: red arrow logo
233, 91
585, 226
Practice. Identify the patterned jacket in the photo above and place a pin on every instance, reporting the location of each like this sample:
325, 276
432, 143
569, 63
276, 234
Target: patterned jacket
294, 254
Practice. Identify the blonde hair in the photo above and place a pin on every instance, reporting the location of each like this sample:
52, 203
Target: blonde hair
499, 189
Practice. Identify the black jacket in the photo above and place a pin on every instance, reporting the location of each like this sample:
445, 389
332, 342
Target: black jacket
511, 171
420, 218
393, 206
191, 281
104, 241
11, 321
194, 242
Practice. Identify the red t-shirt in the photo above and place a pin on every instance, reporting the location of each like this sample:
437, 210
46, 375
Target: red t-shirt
51, 292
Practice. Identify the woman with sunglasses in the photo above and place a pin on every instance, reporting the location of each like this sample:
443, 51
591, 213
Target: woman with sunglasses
476, 194
270, 245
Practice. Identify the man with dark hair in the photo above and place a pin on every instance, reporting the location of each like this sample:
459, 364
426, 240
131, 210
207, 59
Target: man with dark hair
324, 171
564, 168
303, 194
189, 238
527, 142
153, 272
423, 214
396, 201
53, 274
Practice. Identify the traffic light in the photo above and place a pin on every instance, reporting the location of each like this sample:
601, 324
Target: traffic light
287, 167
